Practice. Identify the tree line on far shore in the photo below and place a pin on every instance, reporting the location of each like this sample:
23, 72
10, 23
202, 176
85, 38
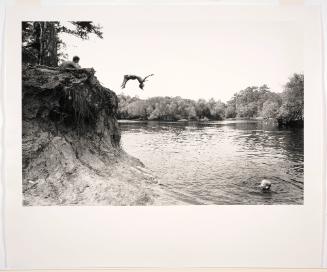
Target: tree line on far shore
253, 102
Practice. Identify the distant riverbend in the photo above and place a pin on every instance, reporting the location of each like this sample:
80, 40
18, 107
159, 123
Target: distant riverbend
220, 162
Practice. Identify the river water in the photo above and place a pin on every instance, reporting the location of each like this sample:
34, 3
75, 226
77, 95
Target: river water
220, 162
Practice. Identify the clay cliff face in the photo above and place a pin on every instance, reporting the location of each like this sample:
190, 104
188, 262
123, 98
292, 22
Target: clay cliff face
71, 144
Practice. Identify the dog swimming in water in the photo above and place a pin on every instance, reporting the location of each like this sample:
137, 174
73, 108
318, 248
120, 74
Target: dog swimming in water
265, 185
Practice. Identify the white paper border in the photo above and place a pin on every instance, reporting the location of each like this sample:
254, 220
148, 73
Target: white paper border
189, 236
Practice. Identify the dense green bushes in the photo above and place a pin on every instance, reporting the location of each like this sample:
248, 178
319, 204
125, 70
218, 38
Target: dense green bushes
292, 108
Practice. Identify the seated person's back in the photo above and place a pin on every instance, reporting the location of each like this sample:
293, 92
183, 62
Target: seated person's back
71, 64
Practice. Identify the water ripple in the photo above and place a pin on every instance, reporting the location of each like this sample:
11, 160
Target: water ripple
221, 162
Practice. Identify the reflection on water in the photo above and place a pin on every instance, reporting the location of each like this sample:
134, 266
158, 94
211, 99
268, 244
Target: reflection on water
221, 162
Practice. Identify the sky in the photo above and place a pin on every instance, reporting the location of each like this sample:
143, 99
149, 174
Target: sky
192, 53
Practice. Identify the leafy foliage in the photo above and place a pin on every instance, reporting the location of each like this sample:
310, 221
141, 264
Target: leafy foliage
292, 108
270, 109
168, 108
82, 29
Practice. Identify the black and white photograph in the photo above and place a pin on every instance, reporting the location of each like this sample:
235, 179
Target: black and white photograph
145, 110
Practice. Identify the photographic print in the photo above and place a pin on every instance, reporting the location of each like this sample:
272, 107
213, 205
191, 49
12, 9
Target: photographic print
151, 111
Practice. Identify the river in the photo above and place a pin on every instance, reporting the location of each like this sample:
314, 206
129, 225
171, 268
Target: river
220, 162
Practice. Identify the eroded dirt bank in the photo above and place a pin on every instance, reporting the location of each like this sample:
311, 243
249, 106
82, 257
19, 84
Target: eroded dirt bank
71, 144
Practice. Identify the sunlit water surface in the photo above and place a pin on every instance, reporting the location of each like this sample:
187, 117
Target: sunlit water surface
220, 162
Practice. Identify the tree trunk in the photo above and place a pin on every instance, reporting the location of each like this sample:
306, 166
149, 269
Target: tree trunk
48, 44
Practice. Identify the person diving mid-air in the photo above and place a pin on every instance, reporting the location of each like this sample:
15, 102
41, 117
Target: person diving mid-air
133, 77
